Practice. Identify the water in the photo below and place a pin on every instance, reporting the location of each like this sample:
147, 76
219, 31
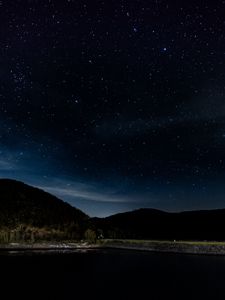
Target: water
111, 274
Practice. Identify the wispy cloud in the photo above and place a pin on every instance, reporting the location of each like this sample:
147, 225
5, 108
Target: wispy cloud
7, 166
199, 110
86, 192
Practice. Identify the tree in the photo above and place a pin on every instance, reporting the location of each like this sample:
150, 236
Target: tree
90, 235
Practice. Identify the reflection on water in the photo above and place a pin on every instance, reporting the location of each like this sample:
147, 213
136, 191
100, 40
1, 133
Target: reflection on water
111, 274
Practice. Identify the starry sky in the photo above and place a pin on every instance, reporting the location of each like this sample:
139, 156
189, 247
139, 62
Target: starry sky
115, 105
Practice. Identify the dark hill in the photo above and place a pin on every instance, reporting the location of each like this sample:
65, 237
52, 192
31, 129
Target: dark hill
27, 209
156, 224
28, 213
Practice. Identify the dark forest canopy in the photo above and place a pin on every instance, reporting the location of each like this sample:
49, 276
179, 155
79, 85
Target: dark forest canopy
30, 213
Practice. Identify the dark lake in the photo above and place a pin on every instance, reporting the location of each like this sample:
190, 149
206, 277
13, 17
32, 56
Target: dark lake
111, 274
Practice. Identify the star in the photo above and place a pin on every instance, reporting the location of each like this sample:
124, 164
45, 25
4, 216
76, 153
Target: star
114, 91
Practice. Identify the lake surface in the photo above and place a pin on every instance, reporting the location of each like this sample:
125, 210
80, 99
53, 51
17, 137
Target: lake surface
111, 274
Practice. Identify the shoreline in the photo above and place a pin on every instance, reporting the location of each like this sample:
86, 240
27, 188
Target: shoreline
45, 246
176, 247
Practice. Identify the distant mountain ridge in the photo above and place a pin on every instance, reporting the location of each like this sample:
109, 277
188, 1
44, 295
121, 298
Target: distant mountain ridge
156, 224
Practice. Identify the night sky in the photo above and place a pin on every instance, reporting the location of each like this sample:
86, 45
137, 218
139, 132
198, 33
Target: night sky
115, 105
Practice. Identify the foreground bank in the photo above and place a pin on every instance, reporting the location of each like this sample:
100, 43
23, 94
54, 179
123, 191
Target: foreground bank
189, 247
45, 246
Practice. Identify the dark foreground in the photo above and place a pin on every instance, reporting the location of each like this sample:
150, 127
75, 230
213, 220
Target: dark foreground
111, 274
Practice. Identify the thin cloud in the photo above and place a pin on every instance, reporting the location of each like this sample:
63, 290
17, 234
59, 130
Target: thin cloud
7, 166
86, 194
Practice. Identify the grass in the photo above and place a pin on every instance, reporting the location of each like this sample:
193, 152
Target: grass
169, 242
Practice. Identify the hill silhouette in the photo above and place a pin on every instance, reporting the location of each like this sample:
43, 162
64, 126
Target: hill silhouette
156, 224
31, 213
